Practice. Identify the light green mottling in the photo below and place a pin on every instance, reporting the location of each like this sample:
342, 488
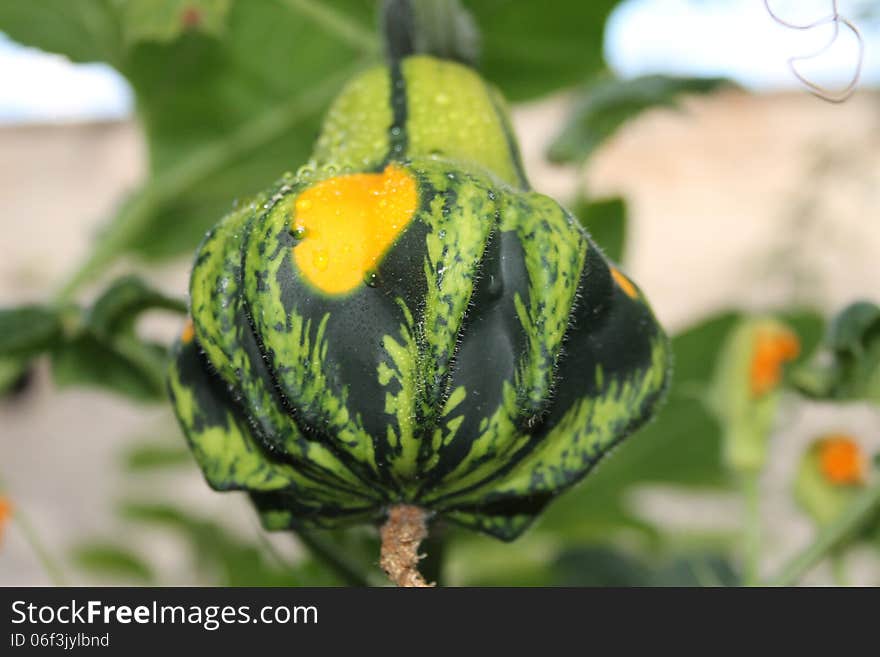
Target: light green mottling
451, 115
461, 217
226, 454
354, 135
554, 255
297, 346
402, 405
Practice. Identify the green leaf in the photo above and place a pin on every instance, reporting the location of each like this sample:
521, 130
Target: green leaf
28, 330
599, 566
83, 30
606, 221
165, 20
222, 555
148, 457
116, 310
531, 49
123, 366
13, 375
605, 106
113, 561
847, 367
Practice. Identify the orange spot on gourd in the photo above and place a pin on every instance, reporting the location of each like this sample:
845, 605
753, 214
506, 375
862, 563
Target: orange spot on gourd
348, 223
624, 283
188, 332
5, 514
773, 348
841, 460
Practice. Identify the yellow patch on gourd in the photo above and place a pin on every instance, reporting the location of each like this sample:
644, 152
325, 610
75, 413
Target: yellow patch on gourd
347, 223
624, 283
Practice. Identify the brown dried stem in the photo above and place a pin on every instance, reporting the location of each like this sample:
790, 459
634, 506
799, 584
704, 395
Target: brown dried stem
402, 533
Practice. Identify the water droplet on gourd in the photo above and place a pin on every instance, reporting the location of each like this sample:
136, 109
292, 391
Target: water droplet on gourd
371, 279
320, 260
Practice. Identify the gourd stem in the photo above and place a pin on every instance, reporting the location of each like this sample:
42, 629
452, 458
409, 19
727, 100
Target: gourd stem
402, 533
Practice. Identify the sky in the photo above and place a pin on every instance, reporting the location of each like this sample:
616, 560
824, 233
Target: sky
729, 38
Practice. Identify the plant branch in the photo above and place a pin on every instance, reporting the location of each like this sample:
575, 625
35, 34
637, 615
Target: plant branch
337, 23
402, 534
752, 533
850, 521
201, 163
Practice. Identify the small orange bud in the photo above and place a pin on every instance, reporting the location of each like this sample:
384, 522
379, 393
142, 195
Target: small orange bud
188, 332
5, 514
773, 348
841, 460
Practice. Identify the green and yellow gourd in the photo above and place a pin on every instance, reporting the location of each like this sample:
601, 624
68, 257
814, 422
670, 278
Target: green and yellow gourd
406, 321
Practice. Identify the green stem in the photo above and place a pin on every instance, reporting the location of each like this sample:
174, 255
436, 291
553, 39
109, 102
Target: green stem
337, 23
838, 569
338, 562
832, 537
201, 163
752, 528
52, 568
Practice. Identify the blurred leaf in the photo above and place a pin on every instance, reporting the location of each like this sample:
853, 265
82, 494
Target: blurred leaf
531, 49
129, 367
847, 367
605, 566
599, 566
83, 30
606, 105
696, 570
606, 221
116, 310
113, 561
154, 456
14, 375
28, 330
164, 20
233, 561
248, 98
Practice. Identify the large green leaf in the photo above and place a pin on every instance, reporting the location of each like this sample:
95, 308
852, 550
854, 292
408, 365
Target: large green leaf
164, 20
606, 221
531, 49
605, 106
83, 30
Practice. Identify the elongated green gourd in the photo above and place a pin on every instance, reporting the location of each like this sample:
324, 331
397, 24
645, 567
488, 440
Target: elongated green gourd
406, 321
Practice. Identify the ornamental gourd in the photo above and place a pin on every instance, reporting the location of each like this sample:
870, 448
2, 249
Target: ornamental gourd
404, 321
